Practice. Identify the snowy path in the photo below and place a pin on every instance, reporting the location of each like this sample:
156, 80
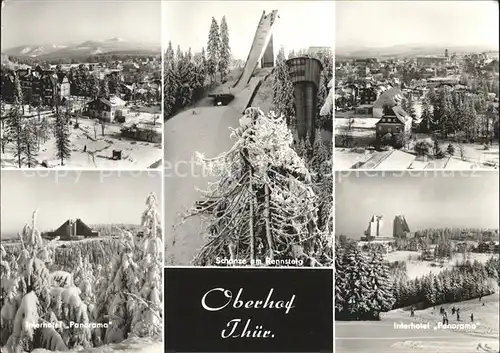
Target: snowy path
205, 131
399, 160
381, 336
131, 345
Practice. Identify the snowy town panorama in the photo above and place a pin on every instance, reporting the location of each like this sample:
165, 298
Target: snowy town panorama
431, 105
84, 101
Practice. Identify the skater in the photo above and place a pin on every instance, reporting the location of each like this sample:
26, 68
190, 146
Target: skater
85, 148
458, 316
441, 310
412, 311
472, 317
453, 310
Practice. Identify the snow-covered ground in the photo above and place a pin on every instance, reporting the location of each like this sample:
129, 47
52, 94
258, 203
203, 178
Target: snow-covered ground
135, 154
206, 130
131, 345
381, 336
417, 268
363, 134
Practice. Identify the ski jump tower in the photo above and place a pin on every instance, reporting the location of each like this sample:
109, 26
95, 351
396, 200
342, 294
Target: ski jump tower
305, 74
261, 49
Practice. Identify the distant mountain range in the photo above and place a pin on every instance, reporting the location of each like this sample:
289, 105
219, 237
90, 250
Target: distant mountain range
406, 50
87, 48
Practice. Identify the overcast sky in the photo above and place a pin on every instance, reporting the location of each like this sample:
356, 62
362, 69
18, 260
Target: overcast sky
32, 22
97, 198
446, 200
388, 23
301, 24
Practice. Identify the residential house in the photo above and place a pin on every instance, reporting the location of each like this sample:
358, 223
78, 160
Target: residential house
394, 121
106, 109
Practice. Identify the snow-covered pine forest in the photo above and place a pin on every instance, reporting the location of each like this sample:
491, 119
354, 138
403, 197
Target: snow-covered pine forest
88, 294
366, 285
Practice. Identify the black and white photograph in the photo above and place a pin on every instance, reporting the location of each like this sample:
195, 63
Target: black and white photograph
248, 310
248, 105
417, 261
416, 85
81, 262
81, 84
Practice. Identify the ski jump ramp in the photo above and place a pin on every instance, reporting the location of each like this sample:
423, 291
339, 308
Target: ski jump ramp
261, 40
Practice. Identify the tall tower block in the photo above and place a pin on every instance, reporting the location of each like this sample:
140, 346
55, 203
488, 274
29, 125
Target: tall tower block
305, 73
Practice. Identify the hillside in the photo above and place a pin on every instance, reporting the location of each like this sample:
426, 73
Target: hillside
404, 50
87, 48
382, 337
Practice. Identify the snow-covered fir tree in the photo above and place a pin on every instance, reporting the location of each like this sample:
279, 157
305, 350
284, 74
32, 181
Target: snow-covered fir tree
169, 53
62, 134
283, 99
213, 49
225, 50
382, 297
341, 285
204, 59
200, 74
186, 75
116, 300
170, 88
29, 143
18, 93
15, 130
104, 88
262, 204
359, 291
